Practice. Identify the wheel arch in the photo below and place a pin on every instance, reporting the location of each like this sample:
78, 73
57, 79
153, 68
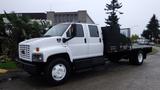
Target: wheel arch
60, 55
136, 51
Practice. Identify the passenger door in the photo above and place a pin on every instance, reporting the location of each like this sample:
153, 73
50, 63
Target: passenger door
78, 44
95, 41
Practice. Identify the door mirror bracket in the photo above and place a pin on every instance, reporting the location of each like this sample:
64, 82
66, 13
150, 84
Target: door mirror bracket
64, 40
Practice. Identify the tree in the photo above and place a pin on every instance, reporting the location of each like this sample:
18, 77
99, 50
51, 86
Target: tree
2, 27
134, 38
2, 32
146, 34
152, 32
112, 22
153, 26
15, 34
36, 29
19, 28
112, 10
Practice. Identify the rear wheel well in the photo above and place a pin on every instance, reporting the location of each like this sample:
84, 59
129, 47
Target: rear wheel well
143, 52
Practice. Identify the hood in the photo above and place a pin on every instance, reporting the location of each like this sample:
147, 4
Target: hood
41, 42
32, 40
29, 46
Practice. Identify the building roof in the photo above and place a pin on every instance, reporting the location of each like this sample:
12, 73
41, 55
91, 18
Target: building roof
34, 15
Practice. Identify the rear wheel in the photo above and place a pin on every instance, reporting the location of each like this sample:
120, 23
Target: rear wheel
57, 72
137, 59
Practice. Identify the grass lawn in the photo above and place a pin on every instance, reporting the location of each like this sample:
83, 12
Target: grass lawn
8, 65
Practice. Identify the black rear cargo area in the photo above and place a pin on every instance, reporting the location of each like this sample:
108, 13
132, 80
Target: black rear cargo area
114, 41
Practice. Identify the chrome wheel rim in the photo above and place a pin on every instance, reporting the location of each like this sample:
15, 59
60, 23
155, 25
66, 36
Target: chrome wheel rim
140, 57
58, 72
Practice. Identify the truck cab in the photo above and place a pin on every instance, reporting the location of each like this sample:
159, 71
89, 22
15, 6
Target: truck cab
75, 39
64, 47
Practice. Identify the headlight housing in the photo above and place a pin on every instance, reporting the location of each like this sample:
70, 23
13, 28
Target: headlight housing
37, 57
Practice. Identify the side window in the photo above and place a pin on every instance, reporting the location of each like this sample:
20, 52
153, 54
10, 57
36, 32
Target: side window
93, 31
77, 28
69, 32
79, 31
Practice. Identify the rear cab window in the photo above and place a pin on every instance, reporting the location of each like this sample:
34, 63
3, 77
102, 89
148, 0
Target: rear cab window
93, 30
79, 30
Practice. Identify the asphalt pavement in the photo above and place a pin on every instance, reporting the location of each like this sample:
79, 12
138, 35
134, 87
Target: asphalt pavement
119, 76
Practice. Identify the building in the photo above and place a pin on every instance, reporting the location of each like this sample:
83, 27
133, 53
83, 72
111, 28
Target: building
41, 18
60, 17
54, 18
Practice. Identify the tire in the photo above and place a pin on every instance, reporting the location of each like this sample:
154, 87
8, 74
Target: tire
57, 71
137, 59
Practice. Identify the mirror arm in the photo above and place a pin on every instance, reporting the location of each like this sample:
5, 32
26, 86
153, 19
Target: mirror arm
65, 40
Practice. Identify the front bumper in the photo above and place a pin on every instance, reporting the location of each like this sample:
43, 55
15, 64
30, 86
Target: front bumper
31, 67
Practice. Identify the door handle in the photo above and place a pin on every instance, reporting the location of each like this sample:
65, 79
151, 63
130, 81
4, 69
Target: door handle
100, 40
85, 40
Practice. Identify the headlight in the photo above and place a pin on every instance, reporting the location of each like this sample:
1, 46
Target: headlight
37, 57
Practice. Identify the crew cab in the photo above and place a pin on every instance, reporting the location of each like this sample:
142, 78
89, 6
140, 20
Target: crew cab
72, 46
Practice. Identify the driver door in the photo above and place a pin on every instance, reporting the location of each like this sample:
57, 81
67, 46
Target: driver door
78, 44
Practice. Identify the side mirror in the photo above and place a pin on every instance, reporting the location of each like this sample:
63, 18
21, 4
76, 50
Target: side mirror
64, 40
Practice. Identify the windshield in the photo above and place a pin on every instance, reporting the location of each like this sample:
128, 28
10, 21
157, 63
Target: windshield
57, 30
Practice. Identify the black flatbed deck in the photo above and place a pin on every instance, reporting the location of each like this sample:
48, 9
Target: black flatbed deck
136, 46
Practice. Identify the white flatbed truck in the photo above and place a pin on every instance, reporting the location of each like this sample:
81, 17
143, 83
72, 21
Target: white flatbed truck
72, 46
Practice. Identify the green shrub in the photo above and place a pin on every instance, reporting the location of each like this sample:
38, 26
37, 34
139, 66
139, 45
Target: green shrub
7, 63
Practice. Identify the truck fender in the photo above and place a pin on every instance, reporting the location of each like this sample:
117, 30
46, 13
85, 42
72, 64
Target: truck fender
56, 51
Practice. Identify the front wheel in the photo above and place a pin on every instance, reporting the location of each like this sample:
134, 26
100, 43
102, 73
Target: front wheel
57, 72
137, 59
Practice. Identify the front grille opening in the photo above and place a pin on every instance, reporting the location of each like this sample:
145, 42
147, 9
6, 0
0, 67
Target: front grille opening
24, 51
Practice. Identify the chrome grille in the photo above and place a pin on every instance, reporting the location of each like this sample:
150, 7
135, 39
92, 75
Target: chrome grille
24, 51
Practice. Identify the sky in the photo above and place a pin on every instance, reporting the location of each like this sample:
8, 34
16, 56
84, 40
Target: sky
137, 13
